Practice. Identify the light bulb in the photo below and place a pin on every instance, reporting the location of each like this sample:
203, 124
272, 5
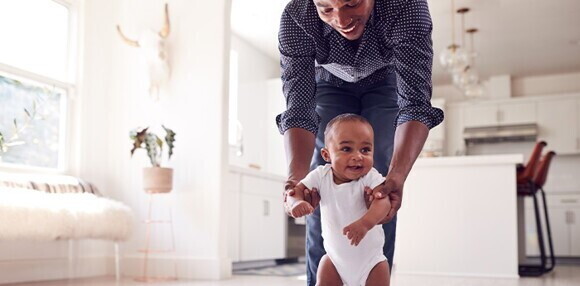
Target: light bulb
467, 77
454, 59
474, 91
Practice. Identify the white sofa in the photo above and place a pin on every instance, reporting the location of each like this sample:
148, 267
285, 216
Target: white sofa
56, 207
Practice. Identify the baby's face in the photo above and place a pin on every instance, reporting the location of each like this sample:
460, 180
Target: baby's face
349, 149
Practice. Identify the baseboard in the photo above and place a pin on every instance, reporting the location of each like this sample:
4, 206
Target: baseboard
183, 268
453, 274
28, 270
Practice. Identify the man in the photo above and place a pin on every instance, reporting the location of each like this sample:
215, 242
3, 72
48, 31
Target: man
367, 57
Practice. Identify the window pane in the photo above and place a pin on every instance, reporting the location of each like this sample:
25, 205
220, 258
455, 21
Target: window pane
35, 36
30, 123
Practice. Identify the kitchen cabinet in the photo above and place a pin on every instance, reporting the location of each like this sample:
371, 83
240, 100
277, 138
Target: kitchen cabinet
558, 125
564, 212
573, 218
517, 113
435, 144
503, 113
454, 131
257, 224
578, 125
481, 115
262, 145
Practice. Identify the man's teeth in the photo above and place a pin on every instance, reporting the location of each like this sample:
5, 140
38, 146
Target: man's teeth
350, 30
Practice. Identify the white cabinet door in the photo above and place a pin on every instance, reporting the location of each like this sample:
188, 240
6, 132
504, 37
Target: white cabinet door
262, 228
558, 123
516, 113
481, 115
560, 232
263, 221
574, 223
558, 226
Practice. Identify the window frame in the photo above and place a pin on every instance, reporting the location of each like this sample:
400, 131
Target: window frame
67, 154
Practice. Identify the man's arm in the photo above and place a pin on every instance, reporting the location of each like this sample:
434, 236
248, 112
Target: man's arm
413, 54
299, 144
299, 122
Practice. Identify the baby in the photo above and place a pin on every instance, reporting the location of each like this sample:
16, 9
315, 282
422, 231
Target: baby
352, 239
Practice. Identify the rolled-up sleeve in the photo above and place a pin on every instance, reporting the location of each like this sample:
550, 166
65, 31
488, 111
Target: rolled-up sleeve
413, 63
297, 56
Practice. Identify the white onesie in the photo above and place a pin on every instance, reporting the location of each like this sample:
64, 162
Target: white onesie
341, 205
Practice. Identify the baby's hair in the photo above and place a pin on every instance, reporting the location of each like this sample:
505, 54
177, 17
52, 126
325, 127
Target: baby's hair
345, 117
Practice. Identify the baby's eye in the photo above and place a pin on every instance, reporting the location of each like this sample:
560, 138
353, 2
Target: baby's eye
365, 150
345, 149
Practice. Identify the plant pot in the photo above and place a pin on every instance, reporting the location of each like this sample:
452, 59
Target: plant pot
157, 180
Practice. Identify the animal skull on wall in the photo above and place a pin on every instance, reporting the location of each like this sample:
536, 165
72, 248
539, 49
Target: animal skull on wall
153, 48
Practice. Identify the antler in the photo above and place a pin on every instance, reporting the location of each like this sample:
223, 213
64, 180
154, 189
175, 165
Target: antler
126, 39
166, 27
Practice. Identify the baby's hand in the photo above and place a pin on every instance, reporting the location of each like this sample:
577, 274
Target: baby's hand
355, 232
300, 208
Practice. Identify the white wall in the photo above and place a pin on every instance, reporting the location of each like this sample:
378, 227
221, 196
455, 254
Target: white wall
194, 104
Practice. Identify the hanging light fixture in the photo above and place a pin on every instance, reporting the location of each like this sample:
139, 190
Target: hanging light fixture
469, 75
472, 85
454, 59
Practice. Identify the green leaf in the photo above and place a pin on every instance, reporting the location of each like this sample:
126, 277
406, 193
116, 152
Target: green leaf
169, 138
138, 138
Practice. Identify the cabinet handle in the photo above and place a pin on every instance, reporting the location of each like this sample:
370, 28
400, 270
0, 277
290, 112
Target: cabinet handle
266, 208
569, 201
570, 217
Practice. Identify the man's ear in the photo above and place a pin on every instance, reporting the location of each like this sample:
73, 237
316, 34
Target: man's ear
325, 154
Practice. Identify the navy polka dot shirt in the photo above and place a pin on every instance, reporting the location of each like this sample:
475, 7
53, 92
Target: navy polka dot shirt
397, 38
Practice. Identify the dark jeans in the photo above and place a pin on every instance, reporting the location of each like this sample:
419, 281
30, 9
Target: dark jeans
378, 104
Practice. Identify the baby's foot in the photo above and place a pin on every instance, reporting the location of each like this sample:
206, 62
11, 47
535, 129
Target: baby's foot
300, 208
355, 232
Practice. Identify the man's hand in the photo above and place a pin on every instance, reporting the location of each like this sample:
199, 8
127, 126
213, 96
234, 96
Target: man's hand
311, 196
392, 189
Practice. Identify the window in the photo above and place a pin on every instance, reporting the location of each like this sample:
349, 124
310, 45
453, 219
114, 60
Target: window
36, 80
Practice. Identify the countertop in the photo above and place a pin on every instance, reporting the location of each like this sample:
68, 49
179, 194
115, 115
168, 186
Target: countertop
470, 160
256, 173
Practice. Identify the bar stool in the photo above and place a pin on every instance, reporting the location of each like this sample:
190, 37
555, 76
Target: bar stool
531, 189
526, 173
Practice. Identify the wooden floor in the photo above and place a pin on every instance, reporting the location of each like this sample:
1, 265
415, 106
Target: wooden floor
562, 276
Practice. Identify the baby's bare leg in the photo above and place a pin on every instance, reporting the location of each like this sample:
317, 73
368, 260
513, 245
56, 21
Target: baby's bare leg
327, 274
380, 275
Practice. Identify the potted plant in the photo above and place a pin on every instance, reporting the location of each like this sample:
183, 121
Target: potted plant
155, 179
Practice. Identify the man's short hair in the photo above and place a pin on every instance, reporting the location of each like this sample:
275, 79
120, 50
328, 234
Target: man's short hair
345, 117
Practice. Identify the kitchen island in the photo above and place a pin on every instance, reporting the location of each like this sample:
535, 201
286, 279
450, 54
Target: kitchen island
459, 217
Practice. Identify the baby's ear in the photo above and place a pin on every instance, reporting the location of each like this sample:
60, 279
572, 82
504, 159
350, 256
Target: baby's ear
325, 154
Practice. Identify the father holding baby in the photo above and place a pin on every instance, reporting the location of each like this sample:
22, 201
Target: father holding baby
367, 57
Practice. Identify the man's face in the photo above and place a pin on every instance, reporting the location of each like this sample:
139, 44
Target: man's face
348, 17
349, 149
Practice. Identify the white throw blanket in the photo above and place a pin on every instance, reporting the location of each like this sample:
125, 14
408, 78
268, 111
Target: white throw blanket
35, 215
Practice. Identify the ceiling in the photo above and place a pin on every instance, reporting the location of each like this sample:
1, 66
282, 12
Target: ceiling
516, 37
